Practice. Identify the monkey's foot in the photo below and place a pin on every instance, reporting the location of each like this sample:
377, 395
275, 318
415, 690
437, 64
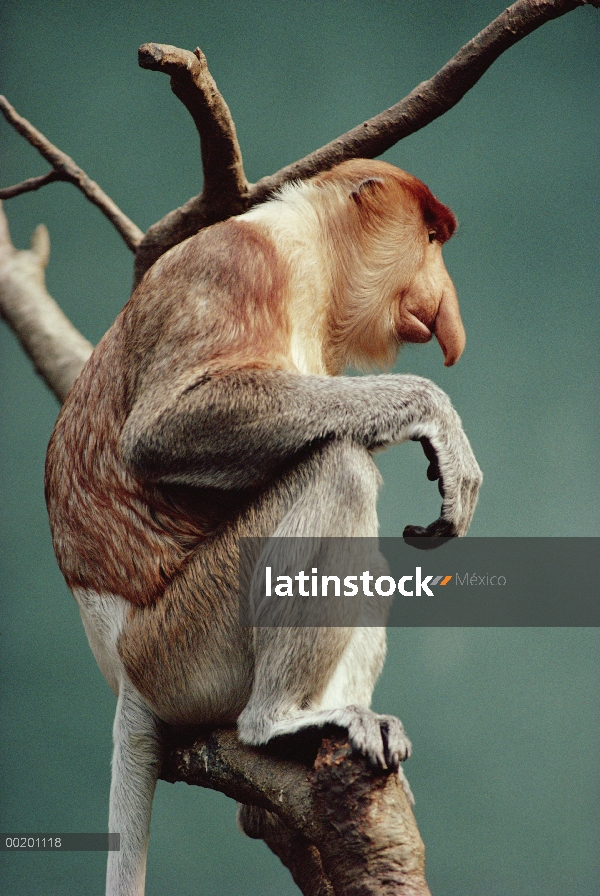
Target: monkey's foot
381, 738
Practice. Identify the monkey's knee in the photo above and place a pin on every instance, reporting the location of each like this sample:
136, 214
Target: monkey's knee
340, 496
354, 480
347, 460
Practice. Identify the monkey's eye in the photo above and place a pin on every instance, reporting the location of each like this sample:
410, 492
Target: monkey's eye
432, 236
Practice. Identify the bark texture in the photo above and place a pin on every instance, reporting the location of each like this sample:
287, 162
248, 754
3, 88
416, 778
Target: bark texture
339, 826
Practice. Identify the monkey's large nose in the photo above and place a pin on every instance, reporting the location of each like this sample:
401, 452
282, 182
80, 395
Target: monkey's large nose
448, 327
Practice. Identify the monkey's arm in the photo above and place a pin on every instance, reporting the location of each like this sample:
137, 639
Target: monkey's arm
239, 430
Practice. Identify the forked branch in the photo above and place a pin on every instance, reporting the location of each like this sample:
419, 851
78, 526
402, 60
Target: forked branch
225, 190
32, 183
64, 168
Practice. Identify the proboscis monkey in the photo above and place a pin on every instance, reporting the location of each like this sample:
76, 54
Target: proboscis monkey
214, 408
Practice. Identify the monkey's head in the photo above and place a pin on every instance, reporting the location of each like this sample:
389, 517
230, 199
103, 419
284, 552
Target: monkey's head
391, 283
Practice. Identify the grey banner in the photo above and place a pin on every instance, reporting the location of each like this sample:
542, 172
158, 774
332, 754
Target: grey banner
461, 582
44, 842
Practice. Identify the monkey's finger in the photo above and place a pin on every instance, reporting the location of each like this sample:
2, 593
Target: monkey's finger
440, 528
413, 532
433, 470
365, 735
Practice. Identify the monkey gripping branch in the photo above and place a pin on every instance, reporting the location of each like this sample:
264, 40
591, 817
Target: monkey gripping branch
340, 827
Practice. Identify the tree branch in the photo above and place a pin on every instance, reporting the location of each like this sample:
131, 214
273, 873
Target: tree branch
32, 183
192, 83
49, 339
225, 187
301, 858
357, 822
66, 169
226, 191
426, 102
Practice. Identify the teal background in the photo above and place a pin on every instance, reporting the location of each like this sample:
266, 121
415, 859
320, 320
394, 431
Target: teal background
504, 722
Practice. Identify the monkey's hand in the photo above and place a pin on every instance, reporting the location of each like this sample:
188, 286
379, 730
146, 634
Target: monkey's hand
452, 463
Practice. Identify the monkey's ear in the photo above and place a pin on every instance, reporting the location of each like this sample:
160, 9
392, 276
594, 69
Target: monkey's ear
365, 187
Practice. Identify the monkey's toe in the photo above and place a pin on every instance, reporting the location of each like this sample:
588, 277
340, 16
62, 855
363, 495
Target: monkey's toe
396, 744
381, 738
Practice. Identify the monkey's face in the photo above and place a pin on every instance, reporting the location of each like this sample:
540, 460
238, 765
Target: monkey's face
429, 306
391, 285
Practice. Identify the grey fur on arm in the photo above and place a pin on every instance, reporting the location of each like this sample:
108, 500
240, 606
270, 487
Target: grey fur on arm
238, 430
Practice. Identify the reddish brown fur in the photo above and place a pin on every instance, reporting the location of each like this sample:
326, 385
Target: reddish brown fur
438, 218
112, 532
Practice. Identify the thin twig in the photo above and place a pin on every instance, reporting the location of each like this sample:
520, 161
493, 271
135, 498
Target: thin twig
32, 183
67, 170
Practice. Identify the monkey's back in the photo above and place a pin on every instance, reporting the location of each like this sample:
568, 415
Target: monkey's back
112, 532
106, 537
